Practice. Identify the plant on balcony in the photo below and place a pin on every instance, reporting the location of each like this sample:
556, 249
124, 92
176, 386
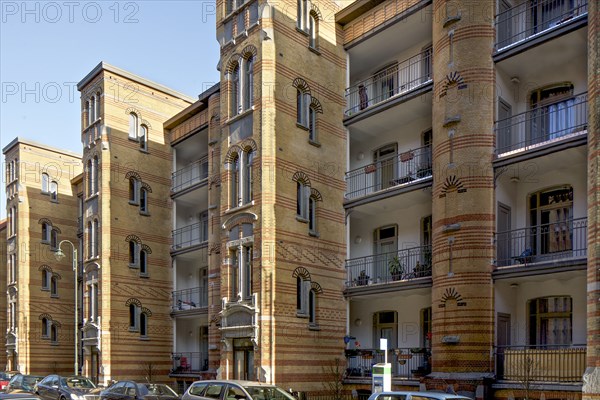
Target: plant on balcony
396, 268
362, 279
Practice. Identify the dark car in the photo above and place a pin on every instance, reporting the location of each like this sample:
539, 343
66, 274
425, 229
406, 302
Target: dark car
56, 387
130, 390
235, 390
18, 396
22, 383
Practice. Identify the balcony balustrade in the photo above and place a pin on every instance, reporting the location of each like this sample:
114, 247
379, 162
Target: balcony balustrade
189, 299
406, 363
190, 175
190, 235
189, 362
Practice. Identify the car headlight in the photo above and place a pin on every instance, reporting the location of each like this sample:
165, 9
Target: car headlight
77, 397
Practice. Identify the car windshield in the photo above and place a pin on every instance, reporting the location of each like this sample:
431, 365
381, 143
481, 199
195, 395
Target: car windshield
268, 393
77, 382
159, 390
30, 381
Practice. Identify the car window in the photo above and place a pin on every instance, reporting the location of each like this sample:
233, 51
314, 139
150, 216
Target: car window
129, 389
118, 388
46, 380
54, 381
29, 381
268, 393
158, 389
397, 397
213, 391
77, 382
235, 393
197, 389
15, 379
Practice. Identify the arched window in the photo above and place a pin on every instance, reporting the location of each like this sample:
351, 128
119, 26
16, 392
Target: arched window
302, 14
133, 126
133, 190
235, 90
143, 200
45, 280
53, 286
143, 324
143, 137
312, 124
92, 111
249, 158
143, 263
133, 317
133, 253
53, 239
312, 30
248, 94
90, 178
234, 182
385, 325
550, 320
53, 333
312, 307
96, 239
46, 228
86, 114
96, 175
302, 196
300, 295
53, 191
45, 327
312, 211
45, 183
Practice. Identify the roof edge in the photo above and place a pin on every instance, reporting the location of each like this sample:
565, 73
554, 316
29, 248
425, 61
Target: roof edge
18, 140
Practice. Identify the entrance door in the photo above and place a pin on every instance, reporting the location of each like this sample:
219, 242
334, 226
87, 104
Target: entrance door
502, 341
504, 135
385, 159
243, 359
503, 245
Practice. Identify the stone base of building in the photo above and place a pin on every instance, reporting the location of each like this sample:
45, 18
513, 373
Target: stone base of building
474, 385
591, 384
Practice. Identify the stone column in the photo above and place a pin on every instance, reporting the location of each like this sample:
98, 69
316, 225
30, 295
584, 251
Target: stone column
591, 377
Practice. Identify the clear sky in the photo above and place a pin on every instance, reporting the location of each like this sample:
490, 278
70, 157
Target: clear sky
46, 47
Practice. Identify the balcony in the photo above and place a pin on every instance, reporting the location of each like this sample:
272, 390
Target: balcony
193, 174
532, 19
189, 299
392, 82
541, 363
542, 126
401, 169
407, 363
189, 363
545, 243
190, 236
401, 265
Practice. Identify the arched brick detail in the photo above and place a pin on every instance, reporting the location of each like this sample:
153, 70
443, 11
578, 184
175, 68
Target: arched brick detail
135, 238
133, 301
44, 220
247, 218
302, 273
147, 249
45, 268
315, 194
147, 187
301, 85
214, 248
233, 150
57, 276
91, 267
316, 105
45, 315
56, 229
248, 144
135, 111
133, 174
316, 287
301, 177
233, 62
146, 123
314, 10
56, 324
248, 51
146, 311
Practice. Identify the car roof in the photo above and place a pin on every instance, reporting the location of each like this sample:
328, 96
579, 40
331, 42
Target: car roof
238, 382
434, 395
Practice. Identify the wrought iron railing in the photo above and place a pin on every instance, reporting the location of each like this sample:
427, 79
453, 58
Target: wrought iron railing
190, 175
406, 363
561, 240
189, 362
394, 80
400, 169
389, 267
189, 299
531, 18
542, 125
190, 235
541, 363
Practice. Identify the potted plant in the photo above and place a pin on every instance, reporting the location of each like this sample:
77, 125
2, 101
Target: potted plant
396, 268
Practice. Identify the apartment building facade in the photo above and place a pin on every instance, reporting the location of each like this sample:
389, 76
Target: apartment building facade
124, 212
40, 285
3, 271
472, 191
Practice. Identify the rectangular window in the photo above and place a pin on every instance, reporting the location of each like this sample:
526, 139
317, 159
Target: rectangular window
247, 273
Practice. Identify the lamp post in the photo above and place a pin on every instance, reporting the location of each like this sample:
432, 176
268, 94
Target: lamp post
59, 256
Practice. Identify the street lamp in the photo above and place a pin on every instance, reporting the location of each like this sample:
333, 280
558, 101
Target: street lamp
59, 256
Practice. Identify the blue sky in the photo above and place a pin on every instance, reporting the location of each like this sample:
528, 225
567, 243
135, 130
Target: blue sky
46, 47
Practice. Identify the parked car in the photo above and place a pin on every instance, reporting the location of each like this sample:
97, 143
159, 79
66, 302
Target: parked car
4, 378
56, 387
416, 396
18, 396
130, 390
235, 390
22, 383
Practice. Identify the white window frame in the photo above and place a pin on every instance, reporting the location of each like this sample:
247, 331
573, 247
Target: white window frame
302, 199
133, 126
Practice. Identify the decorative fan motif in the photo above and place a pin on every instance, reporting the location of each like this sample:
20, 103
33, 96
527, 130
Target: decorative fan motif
452, 184
452, 79
452, 294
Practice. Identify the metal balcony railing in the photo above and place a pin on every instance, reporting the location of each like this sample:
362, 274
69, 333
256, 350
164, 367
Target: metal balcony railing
190, 175
531, 18
407, 363
542, 125
389, 267
189, 299
189, 362
394, 80
190, 235
561, 240
541, 363
397, 170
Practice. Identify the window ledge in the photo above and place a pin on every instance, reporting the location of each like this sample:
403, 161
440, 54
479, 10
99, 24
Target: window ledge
45, 289
45, 337
45, 193
133, 329
133, 202
92, 196
314, 143
146, 276
299, 125
145, 213
144, 338
54, 201
314, 50
145, 151
300, 314
302, 31
54, 296
301, 219
54, 344
314, 234
240, 115
44, 241
239, 208
133, 266
314, 327
93, 258
132, 139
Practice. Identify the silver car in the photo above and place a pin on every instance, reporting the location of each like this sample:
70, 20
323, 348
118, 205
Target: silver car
416, 396
234, 390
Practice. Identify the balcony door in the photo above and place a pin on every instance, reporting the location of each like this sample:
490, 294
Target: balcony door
203, 346
385, 160
385, 326
551, 218
203, 231
505, 21
549, 13
553, 113
386, 82
386, 247
504, 139
503, 248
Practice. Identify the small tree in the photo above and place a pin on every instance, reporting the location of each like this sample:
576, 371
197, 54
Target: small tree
148, 369
333, 378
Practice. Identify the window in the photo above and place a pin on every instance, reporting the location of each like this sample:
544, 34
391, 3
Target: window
45, 324
302, 294
92, 110
143, 263
54, 239
45, 183
302, 14
312, 211
54, 286
302, 199
550, 320
235, 90
247, 187
553, 113
385, 325
53, 333
133, 126
312, 307
312, 30
95, 174
248, 83
143, 325
426, 327
53, 191
240, 250
143, 200
133, 311
45, 280
133, 253
301, 107
312, 124
90, 241
133, 190
143, 138
46, 229
90, 178
551, 222
234, 182
96, 239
